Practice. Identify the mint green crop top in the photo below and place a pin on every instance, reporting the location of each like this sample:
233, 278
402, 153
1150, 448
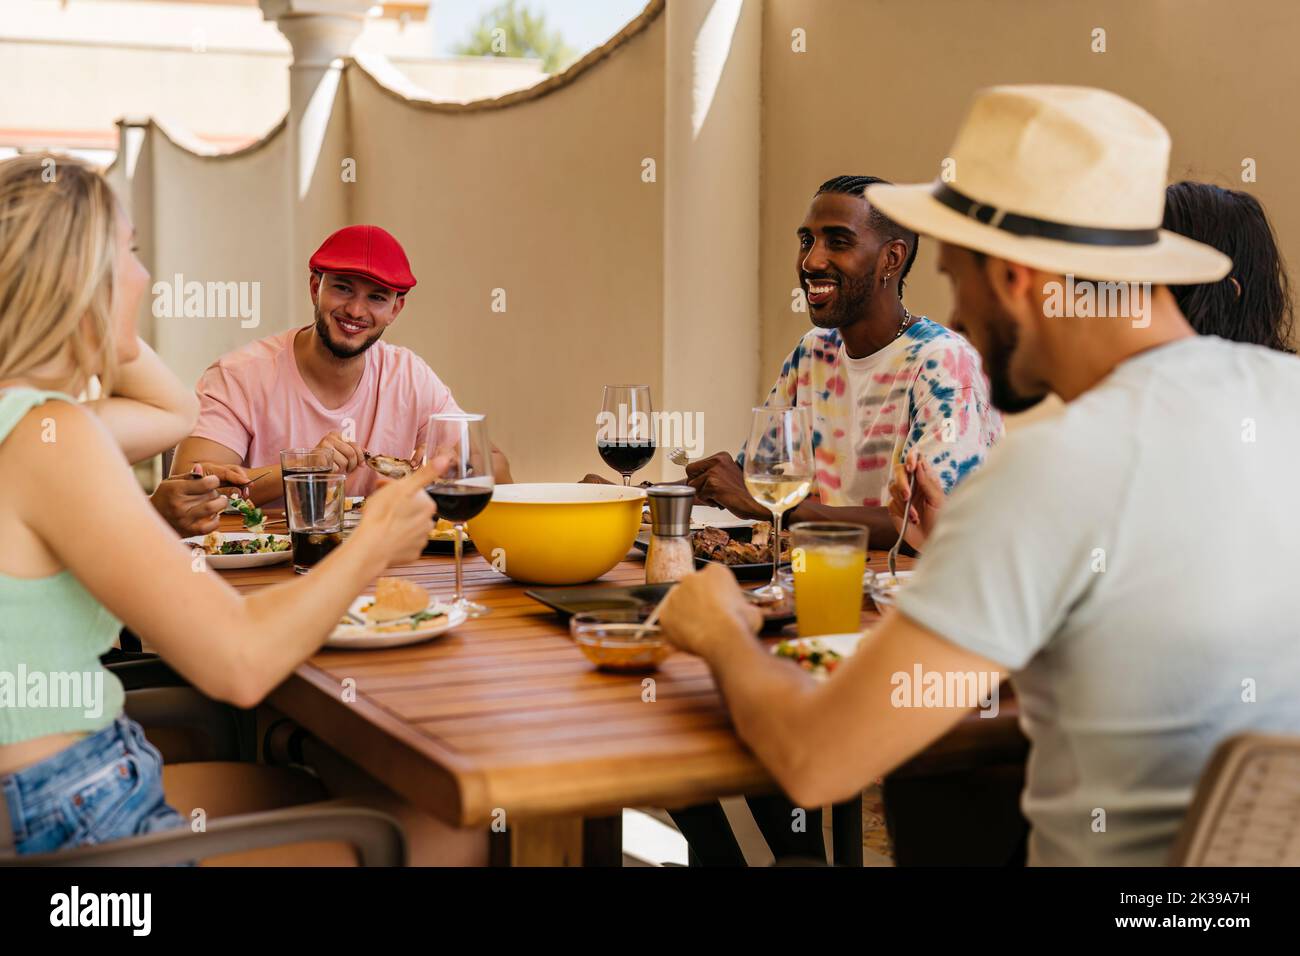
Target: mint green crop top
52, 632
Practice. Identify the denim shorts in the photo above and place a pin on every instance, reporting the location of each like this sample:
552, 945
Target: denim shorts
104, 787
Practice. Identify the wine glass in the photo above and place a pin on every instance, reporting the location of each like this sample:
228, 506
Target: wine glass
465, 487
624, 429
779, 473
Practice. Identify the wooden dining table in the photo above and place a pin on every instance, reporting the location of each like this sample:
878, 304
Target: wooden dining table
502, 723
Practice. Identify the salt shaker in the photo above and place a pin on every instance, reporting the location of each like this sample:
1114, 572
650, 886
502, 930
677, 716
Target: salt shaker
670, 556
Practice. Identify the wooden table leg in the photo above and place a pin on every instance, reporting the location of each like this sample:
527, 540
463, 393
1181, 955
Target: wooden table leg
602, 841
561, 841
547, 841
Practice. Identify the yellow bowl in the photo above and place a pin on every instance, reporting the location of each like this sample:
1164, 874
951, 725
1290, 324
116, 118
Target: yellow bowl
557, 533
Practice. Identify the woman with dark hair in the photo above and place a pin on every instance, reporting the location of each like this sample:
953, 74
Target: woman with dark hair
1253, 303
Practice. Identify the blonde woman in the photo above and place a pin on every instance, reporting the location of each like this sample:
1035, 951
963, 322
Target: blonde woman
83, 549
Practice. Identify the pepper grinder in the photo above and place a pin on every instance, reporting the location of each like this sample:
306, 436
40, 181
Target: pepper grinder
670, 556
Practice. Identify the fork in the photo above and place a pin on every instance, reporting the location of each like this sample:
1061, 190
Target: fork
678, 457
907, 514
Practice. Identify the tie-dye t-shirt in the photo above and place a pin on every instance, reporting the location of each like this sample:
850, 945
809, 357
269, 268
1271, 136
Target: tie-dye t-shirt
925, 389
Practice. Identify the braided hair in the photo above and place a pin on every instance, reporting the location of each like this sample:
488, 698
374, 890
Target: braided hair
886, 227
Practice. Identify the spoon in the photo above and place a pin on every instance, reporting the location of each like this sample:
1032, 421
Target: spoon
653, 619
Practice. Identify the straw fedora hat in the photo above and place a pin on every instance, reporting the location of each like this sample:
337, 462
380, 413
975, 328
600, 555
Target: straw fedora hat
1066, 179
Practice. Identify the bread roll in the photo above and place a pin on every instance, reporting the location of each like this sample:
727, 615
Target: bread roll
396, 597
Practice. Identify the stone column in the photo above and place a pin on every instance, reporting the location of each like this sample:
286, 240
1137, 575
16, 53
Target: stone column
711, 249
321, 33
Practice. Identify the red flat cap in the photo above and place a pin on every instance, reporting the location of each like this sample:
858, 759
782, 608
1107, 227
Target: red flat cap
365, 251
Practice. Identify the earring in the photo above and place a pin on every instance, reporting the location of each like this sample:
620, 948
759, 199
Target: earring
885, 280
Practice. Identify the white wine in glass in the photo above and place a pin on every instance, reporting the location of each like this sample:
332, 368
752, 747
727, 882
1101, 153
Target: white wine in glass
779, 472
778, 493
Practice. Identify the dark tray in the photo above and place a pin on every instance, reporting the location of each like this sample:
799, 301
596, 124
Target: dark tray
744, 572
448, 547
570, 601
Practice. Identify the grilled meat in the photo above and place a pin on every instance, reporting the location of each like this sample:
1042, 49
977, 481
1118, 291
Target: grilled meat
390, 467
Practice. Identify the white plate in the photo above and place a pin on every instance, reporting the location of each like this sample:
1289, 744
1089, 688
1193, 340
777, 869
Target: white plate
842, 644
356, 636
229, 562
882, 594
704, 516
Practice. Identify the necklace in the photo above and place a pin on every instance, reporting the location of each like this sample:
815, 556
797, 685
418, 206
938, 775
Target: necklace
907, 320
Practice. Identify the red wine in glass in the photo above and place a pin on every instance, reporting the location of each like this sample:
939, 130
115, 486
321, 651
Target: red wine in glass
626, 457
465, 487
625, 429
458, 502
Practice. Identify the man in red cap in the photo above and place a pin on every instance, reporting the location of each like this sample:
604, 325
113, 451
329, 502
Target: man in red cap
332, 385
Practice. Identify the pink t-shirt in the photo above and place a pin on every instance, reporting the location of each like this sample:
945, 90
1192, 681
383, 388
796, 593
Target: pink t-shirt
255, 402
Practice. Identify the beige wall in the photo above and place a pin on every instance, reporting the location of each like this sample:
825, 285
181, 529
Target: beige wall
544, 200
883, 85
711, 175
218, 220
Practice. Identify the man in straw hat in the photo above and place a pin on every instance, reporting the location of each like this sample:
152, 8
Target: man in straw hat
1076, 560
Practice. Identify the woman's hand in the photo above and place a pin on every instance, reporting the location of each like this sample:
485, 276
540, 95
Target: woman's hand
399, 515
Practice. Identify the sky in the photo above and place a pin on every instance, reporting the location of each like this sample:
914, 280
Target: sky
585, 23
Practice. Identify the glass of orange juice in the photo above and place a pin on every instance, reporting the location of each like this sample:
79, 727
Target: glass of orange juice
828, 559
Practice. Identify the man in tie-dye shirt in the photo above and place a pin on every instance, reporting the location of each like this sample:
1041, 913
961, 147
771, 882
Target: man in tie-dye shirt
880, 381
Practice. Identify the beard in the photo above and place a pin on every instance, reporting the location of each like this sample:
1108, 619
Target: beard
337, 350
1003, 338
852, 299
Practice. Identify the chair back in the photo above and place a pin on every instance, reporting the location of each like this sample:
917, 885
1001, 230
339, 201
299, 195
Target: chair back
1246, 811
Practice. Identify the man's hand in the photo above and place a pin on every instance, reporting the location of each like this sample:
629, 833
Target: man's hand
192, 504
347, 455
706, 608
718, 480
232, 477
927, 499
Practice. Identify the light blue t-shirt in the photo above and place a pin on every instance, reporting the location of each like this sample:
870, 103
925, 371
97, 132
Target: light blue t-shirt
1134, 561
